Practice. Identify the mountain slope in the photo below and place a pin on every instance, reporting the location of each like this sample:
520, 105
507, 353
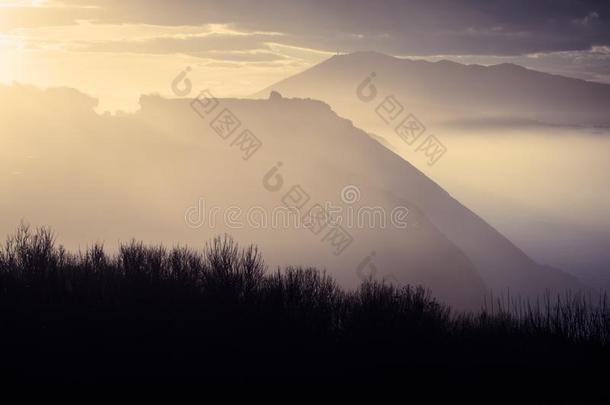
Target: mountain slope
448, 91
141, 175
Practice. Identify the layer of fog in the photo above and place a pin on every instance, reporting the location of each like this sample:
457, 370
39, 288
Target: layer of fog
545, 188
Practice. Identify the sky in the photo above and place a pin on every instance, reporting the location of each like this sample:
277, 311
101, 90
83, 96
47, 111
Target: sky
116, 50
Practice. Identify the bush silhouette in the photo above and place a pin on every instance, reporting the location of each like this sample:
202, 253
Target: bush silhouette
152, 312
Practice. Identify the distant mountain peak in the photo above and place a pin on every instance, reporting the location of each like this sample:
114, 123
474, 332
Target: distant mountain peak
447, 90
511, 66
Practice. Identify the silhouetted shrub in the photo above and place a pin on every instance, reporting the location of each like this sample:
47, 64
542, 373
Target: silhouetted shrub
179, 313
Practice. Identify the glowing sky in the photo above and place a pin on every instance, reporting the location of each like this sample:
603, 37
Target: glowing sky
117, 50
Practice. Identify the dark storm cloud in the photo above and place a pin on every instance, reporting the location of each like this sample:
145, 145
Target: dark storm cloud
418, 27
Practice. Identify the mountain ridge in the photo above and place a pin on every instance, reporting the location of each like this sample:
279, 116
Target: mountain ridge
446, 90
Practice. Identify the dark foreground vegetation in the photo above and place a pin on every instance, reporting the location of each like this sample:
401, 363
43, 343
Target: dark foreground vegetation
151, 314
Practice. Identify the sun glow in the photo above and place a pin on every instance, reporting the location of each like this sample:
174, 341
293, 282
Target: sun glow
9, 57
23, 3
